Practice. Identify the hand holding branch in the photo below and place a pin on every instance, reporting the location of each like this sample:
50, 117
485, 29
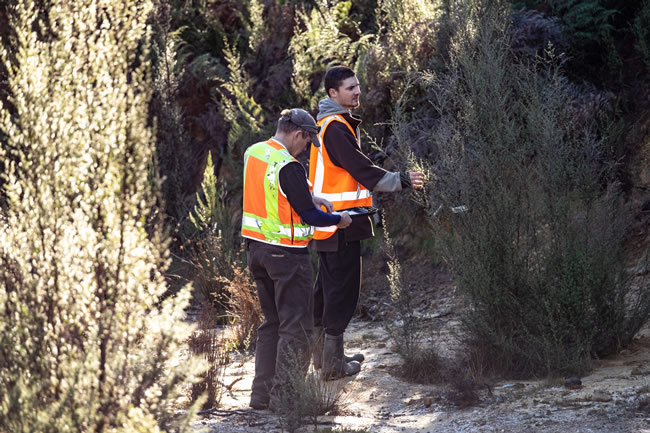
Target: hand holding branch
417, 179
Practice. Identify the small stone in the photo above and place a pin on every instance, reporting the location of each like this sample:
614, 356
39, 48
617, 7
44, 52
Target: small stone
601, 396
427, 401
636, 371
381, 345
573, 383
381, 366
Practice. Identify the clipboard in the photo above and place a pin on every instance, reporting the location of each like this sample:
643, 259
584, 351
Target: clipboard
358, 211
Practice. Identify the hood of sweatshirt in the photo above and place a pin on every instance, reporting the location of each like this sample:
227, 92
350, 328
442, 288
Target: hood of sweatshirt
327, 107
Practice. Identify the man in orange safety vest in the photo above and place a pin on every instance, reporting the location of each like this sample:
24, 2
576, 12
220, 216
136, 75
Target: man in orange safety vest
340, 173
278, 214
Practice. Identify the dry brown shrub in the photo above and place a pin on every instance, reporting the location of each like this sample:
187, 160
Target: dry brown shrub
243, 308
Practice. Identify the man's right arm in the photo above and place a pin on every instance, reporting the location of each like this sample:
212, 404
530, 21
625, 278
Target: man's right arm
344, 152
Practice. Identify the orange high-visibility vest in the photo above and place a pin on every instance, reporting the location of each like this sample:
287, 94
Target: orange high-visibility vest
268, 217
331, 182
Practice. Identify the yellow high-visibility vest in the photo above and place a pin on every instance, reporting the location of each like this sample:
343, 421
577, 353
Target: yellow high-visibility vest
267, 215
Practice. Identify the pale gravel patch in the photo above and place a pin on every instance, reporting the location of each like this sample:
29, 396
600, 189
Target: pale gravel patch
383, 403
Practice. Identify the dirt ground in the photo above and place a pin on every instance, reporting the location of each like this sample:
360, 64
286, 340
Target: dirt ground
614, 398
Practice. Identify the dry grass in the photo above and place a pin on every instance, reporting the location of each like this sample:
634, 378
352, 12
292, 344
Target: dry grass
243, 309
209, 343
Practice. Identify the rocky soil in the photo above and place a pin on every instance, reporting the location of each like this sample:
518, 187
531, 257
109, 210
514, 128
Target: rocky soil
614, 398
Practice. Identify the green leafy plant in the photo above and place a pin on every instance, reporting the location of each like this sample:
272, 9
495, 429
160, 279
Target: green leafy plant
210, 240
590, 23
306, 396
524, 209
173, 143
318, 44
256, 26
420, 361
243, 114
641, 30
90, 343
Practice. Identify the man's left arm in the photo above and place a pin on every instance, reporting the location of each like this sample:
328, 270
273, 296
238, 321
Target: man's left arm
293, 182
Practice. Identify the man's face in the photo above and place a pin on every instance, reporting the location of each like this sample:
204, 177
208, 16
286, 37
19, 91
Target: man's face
301, 141
348, 93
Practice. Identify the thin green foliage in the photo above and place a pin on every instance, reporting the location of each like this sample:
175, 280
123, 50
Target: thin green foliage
208, 210
641, 29
305, 396
319, 44
88, 344
256, 25
590, 22
245, 117
210, 239
173, 143
420, 362
404, 26
528, 217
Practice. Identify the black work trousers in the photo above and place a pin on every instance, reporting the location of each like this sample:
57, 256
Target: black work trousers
336, 291
283, 279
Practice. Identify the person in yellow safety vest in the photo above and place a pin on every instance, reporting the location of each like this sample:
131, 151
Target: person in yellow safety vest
278, 214
342, 174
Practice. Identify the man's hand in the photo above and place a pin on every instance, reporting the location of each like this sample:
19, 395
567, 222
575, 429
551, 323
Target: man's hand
321, 202
346, 220
417, 179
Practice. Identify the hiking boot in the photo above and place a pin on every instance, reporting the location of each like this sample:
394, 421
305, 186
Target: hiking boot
259, 403
334, 365
317, 353
358, 357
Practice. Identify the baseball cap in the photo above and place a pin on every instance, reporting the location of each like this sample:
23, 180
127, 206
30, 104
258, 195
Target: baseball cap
304, 121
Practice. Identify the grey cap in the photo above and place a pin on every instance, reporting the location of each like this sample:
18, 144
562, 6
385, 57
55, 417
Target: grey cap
304, 121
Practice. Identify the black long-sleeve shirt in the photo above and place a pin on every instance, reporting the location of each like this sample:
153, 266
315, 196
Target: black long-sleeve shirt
294, 184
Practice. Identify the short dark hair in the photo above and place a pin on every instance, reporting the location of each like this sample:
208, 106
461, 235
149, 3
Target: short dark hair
335, 77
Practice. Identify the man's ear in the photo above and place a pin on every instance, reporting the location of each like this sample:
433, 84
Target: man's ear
331, 92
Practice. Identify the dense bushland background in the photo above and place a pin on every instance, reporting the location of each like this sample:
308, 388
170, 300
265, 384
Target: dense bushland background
530, 118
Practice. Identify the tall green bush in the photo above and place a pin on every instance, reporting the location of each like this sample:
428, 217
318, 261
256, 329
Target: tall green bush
211, 241
420, 360
86, 344
173, 143
319, 44
526, 211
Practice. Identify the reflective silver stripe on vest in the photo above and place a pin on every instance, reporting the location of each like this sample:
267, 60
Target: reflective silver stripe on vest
251, 222
330, 229
298, 232
344, 196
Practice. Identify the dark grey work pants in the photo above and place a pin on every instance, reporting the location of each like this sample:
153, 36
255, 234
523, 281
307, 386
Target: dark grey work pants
283, 280
336, 292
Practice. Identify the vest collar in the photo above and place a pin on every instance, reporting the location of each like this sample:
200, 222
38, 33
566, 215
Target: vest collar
277, 140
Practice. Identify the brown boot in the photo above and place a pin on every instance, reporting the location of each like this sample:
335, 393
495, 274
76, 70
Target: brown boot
317, 353
334, 365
